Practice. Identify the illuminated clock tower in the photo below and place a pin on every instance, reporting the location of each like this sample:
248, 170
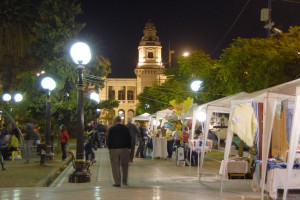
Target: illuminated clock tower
150, 68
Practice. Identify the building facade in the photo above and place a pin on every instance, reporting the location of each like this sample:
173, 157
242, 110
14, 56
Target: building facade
149, 70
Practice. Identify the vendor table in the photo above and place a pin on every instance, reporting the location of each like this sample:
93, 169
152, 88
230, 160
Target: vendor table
159, 147
235, 168
276, 178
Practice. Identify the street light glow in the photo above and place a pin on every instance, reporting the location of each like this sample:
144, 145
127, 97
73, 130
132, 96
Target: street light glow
18, 97
201, 116
80, 53
6, 97
195, 85
48, 83
186, 54
95, 97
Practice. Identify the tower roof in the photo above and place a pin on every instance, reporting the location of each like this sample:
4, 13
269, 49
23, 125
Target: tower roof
150, 36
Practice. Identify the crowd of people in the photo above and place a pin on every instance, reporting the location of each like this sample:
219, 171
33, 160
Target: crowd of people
124, 142
10, 138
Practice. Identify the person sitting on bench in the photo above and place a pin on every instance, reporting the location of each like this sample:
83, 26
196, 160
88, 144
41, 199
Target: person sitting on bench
11, 146
89, 153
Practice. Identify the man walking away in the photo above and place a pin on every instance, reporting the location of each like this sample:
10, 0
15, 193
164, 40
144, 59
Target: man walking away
119, 145
133, 133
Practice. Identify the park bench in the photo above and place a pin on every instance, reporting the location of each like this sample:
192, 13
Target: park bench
85, 164
45, 151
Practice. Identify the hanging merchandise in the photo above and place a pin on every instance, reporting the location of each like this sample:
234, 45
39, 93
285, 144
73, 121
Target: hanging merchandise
244, 123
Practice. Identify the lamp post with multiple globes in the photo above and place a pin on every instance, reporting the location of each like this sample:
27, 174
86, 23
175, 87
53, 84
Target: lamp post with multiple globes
81, 55
7, 97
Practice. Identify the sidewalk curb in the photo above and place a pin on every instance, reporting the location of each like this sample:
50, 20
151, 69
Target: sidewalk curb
47, 180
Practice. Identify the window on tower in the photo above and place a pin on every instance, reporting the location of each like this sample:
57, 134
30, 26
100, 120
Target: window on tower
150, 54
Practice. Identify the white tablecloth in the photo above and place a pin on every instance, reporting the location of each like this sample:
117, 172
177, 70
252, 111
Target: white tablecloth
235, 167
159, 147
276, 178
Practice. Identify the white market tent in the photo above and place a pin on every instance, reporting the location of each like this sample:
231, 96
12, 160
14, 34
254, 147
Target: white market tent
142, 117
219, 106
270, 97
163, 113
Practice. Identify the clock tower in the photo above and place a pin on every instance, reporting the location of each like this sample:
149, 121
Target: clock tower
150, 68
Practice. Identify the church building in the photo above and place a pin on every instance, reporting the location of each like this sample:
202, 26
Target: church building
149, 70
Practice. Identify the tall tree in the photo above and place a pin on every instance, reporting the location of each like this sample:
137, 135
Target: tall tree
16, 22
54, 29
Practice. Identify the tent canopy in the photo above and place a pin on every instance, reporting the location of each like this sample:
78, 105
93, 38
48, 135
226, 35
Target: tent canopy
142, 117
270, 97
220, 106
163, 113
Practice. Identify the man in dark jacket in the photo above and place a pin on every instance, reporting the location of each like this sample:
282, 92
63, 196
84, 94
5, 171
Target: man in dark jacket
119, 145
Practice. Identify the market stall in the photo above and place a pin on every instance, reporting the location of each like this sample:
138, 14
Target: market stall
159, 141
268, 100
204, 113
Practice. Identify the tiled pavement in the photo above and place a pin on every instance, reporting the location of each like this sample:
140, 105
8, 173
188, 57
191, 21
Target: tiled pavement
148, 179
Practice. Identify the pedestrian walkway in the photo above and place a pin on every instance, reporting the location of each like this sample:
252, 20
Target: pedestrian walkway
148, 179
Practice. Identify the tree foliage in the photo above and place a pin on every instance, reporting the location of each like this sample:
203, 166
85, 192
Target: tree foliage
253, 64
55, 28
16, 21
246, 65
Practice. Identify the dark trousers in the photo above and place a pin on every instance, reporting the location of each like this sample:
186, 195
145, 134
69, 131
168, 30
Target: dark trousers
132, 150
194, 158
97, 140
64, 150
90, 155
5, 152
2, 162
141, 148
170, 147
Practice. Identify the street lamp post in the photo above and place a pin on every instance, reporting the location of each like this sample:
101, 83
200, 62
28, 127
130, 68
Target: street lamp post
49, 84
81, 55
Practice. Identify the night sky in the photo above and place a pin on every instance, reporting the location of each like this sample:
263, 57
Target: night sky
117, 26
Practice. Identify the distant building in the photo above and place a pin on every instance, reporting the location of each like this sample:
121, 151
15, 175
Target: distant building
149, 70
